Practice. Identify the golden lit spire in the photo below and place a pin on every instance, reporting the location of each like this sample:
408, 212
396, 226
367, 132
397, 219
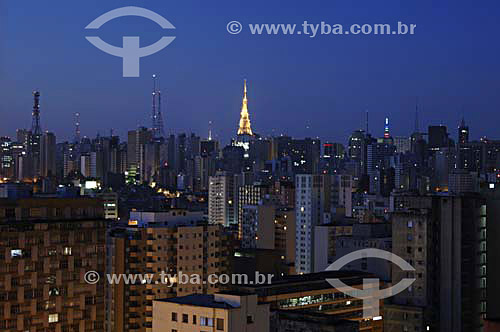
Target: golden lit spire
245, 128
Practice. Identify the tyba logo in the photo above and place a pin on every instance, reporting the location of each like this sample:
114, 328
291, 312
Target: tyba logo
131, 52
371, 294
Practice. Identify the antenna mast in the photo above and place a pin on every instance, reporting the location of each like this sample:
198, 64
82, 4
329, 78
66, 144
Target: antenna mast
77, 128
36, 129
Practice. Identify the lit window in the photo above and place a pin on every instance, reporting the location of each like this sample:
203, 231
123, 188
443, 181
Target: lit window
53, 318
16, 253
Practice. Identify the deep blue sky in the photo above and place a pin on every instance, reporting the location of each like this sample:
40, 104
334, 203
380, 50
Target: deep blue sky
295, 82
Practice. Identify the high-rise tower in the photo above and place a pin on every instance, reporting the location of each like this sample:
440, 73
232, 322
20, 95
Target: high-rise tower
463, 133
387, 134
36, 129
245, 128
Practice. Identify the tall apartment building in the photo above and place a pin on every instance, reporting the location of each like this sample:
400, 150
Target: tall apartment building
304, 153
379, 154
222, 207
137, 139
341, 194
155, 153
444, 238
47, 246
461, 181
7, 158
249, 194
325, 241
357, 152
48, 155
227, 311
367, 236
492, 315
267, 226
313, 202
204, 167
285, 190
110, 202
164, 245
86, 166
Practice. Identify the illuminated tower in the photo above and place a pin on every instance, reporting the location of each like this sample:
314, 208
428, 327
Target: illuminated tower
386, 129
463, 133
245, 128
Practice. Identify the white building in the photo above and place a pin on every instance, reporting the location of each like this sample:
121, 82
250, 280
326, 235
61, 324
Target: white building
312, 204
222, 208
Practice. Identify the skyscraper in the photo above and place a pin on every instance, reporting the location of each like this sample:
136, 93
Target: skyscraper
463, 133
444, 238
48, 155
136, 147
312, 202
249, 194
6, 158
357, 152
222, 208
438, 137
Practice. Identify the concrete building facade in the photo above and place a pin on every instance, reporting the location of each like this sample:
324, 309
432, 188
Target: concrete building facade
230, 312
47, 246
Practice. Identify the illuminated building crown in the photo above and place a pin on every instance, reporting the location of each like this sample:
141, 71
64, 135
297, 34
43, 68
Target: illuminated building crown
244, 128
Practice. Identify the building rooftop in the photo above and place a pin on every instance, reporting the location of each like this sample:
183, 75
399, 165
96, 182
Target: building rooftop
306, 282
236, 292
339, 220
314, 318
199, 300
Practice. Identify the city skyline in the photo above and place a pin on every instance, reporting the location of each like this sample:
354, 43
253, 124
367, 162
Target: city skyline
316, 79
260, 166
375, 129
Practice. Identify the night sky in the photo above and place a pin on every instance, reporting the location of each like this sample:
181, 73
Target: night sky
298, 85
